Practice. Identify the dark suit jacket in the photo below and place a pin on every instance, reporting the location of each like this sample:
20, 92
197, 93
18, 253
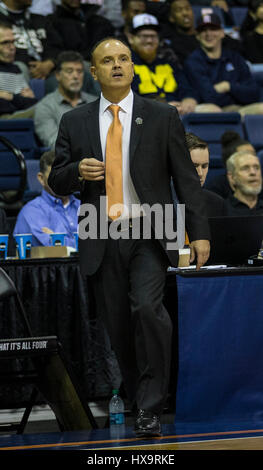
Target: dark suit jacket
157, 152
215, 204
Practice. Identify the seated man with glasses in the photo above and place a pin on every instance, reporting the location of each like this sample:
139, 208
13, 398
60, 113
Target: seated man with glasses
157, 75
17, 100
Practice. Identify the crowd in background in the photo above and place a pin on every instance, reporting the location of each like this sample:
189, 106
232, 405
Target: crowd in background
185, 60
196, 61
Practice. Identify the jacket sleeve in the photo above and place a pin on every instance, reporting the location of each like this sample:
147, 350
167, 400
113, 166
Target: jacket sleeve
196, 72
185, 89
64, 176
18, 102
186, 181
245, 89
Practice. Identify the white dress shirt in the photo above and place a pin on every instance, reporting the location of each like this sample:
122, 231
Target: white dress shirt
130, 197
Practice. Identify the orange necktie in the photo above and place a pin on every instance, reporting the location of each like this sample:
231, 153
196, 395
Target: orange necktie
114, 162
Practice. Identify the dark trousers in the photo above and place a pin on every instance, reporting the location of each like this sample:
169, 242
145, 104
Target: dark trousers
129, 289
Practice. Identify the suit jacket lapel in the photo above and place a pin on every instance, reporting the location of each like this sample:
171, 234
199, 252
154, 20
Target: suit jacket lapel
137, 126
94, 129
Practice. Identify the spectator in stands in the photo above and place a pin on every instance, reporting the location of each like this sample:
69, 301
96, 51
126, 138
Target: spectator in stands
220, 75
158, 8
231, 142
253, 41
68, 95
111, 9
155, 75
244, 174
178, 32
43, 8
30, 35
48, 213
249, 23
130, 8
199, 153
75, 26
15, 93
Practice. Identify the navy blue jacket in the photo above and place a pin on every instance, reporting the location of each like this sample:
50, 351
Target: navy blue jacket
204, 73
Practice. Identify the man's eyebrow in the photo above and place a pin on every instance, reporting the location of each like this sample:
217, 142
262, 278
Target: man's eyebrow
111, 57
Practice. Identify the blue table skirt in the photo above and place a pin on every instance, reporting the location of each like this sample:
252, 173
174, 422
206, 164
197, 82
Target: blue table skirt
220, 321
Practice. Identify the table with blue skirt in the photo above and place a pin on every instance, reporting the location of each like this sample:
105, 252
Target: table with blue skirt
216, 370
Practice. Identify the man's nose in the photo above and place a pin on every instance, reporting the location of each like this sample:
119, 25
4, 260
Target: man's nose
200, 172
116, 63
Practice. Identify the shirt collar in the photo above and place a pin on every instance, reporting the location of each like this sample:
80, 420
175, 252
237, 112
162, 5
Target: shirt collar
236, 202
60, 98
125, 104
56, 200
223, 58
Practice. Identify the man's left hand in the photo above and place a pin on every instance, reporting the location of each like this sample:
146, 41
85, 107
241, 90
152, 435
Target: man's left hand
222, 87
199, 250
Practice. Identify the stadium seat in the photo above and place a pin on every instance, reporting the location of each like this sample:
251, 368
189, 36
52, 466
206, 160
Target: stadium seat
22, 134
210, 127
213, 172
253, 125
238, 14
12, 173
38, 87
33, 188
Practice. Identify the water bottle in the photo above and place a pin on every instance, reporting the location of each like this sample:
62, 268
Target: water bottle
116, 412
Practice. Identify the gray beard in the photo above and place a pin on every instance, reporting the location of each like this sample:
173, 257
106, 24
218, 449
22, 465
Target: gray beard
249, 191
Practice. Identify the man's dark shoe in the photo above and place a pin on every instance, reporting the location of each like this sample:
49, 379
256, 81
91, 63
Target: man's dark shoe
147, 424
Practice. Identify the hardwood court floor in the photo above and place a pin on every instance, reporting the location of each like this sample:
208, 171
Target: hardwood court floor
232, 438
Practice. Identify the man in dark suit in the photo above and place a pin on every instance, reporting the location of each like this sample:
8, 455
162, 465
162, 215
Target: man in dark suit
199, 152
127, 273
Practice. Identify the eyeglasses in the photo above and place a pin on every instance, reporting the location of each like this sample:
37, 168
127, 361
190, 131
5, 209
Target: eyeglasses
7, 43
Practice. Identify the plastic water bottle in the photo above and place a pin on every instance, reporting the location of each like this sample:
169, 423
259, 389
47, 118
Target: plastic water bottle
116, 412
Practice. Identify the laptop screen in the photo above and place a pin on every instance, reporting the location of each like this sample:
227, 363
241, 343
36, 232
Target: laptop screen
235, 239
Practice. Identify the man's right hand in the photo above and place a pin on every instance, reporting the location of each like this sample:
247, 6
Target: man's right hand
91, 169
222, 87
6, 95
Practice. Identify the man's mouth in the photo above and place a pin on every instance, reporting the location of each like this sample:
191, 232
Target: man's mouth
117, 74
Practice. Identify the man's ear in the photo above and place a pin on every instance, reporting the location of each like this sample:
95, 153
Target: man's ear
93, 72
57, 75
130, 37
40, 178
231, 180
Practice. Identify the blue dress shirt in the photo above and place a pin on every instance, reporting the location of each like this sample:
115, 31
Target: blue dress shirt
48, 211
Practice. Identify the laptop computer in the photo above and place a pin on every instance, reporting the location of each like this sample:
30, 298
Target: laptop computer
235, 239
